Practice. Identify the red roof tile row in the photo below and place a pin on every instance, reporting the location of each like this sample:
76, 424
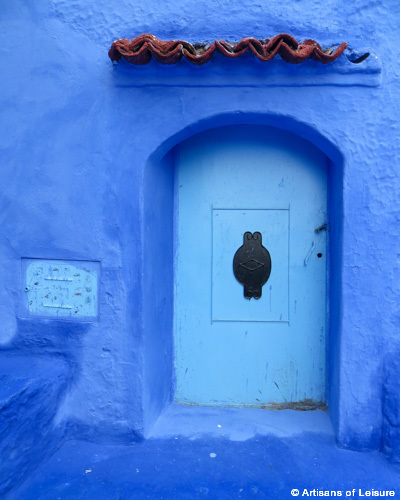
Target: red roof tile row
140, 50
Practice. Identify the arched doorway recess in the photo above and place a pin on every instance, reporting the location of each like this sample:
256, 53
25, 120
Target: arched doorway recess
282, 349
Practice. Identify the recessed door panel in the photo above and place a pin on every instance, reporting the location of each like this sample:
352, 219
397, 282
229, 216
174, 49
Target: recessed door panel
229, 227
231, 350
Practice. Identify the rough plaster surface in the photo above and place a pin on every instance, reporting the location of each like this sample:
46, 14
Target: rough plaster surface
263, 467
76, 139
391, 407
30, 393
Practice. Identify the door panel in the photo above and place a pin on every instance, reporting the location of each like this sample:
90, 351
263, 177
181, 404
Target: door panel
229, 226
231, 351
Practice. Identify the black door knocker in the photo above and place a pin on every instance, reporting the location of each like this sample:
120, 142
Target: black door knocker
252, 265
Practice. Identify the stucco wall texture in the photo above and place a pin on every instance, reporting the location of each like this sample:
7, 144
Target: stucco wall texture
82, 143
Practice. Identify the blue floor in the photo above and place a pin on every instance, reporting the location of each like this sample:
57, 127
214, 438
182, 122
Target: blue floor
214, 453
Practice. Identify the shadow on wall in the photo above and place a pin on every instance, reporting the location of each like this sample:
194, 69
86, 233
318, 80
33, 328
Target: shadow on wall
391, 408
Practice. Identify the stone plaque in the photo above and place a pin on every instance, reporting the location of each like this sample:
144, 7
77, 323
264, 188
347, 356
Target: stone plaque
63, 289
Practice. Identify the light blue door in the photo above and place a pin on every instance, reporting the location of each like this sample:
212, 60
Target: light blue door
229, 350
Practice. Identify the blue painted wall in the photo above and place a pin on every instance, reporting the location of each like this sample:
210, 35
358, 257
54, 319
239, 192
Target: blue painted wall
81, 153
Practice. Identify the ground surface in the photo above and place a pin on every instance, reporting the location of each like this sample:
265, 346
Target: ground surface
214, 453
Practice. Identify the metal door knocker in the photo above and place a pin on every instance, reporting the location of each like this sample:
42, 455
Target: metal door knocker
252, 265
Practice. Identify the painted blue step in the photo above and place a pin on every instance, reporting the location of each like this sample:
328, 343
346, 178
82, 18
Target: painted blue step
30, 392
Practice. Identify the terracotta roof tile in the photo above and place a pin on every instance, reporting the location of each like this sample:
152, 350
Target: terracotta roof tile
140, 50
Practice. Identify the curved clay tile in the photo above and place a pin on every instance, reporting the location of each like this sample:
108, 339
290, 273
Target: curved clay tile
140, 50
